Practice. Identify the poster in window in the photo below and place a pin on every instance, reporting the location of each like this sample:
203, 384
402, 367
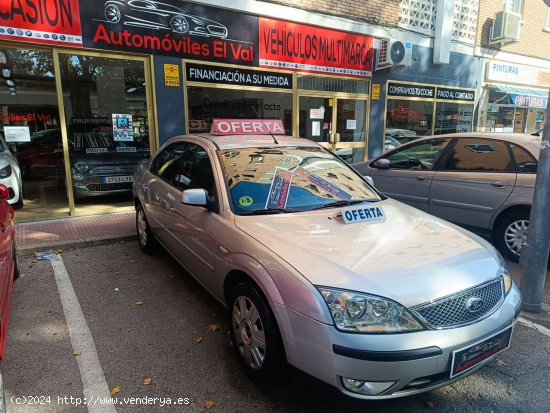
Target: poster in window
123, 130
17, 134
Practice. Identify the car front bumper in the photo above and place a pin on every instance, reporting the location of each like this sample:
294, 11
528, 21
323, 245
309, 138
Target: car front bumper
95, 187
413, 362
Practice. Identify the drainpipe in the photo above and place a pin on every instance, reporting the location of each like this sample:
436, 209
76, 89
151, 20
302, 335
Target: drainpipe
534, 253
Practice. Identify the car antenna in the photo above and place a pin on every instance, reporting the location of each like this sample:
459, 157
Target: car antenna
262, 120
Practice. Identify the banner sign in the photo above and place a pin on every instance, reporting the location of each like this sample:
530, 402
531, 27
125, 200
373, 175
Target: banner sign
455, 94
233, 76
295, 46
40, 21
171, 28
280, 187
512, 73
247, 127
528, 101
411, 91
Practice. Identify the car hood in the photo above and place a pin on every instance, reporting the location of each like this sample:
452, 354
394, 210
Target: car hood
412, 257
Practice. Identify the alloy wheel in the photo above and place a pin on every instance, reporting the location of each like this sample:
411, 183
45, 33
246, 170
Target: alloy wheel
179, 24
249, 332
516, 235
141, 227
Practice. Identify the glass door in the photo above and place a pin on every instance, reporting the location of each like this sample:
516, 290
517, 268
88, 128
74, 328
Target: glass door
337, 123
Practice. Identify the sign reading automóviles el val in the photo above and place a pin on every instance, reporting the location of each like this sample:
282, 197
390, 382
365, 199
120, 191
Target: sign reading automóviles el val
171, 28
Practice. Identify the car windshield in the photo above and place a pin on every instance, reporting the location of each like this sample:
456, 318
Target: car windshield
290, 179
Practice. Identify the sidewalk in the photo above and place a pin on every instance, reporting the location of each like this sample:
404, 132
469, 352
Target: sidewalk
75, 232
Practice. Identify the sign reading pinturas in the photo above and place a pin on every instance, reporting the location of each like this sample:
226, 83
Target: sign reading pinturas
234, 76
294, 46
41, 21
171, 28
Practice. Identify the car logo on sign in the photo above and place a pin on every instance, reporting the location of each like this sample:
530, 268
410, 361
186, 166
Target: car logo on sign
474, 304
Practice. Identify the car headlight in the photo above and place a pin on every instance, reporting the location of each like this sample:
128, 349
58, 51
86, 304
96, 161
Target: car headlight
81, 166
5, 171
364, 313
507, 279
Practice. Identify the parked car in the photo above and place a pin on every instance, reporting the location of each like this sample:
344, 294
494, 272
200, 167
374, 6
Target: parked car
478, 180
10, 175
317, 268
8, 271
103, 166
42, 156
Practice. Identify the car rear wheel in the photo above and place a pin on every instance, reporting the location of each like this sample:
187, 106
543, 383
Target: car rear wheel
511, 234
112, 13
146, 239
255, 334
179, 24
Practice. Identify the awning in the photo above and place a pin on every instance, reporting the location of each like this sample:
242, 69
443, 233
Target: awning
525, 91
525, 96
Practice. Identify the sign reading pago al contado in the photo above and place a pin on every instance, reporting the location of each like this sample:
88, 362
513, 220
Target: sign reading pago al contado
41, 21
294, 46
171, 28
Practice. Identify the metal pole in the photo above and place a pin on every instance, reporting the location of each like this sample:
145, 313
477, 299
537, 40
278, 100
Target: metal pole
534, 254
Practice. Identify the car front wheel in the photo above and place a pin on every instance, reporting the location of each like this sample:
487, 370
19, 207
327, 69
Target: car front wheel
146, 239
254, 333
511, 234
179, 24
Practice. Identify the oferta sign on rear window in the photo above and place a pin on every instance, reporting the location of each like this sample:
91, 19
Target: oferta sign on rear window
171, 28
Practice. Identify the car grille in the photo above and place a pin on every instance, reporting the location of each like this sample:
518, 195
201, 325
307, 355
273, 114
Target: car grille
113, 170
123, 186
452, 312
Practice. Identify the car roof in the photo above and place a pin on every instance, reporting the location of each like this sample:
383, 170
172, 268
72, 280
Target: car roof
223, 142
525, 139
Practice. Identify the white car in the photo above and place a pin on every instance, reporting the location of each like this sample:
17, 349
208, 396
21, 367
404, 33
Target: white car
10, 175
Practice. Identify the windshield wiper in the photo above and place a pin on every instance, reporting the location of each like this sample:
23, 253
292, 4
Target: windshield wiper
269, 211
345, 202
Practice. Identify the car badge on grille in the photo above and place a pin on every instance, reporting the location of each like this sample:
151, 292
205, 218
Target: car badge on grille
117, 169
474, 304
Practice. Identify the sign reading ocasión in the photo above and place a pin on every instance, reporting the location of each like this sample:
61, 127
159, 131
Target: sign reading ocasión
40, 21
294, 46
171, 28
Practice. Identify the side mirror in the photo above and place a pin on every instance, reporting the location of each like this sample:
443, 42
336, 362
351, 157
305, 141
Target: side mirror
4, 192
194, 197
382, 163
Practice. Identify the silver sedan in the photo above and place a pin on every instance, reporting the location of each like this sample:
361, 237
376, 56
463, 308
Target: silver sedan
479, 180
319, 270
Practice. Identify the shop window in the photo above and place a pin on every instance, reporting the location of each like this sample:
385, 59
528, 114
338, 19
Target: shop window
108, 128
479, 155
409, 115
206, 104
332, 84
453, 117
525, 162
31, 157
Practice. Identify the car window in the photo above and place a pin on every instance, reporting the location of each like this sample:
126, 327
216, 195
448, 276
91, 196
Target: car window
484, 155
165, 163
301, 179
525, 162
422, 155
194, 170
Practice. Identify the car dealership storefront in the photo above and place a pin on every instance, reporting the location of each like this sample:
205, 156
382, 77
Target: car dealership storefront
110, 83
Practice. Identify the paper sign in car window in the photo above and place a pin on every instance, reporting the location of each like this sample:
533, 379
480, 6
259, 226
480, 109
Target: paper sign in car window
363, 213
321, 183
278, 192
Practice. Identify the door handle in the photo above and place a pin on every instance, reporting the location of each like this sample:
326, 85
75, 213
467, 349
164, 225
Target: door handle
422, 178
498, 184
3, 227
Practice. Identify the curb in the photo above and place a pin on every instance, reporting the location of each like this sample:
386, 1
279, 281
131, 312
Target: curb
83, 243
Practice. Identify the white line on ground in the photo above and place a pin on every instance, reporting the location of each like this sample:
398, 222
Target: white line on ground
93, 378
535, 326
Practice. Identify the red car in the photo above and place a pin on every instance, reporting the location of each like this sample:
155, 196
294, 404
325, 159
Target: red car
8, 268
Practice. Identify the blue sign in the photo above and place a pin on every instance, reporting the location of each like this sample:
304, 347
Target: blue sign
528, 101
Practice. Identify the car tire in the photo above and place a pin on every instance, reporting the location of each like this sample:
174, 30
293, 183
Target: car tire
16, 264
146, 240
19, 203
255, 334
112, 13
179, 24
510, 234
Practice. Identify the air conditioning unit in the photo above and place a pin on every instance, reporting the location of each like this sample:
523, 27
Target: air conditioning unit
506, 27
393, 53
